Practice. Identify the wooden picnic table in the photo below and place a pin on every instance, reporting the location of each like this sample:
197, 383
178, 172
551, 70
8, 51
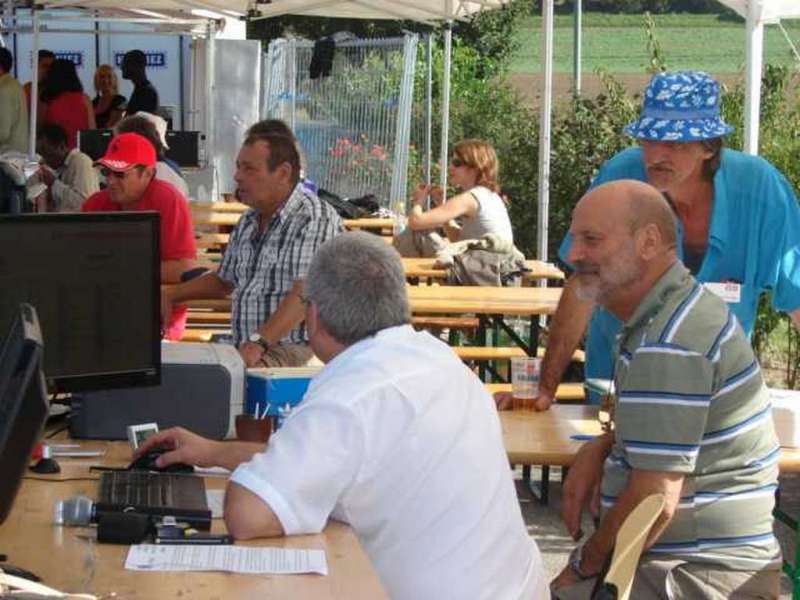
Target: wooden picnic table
229, 213
426, 268
447, 299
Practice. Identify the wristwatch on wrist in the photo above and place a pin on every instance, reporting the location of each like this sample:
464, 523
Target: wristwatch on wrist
256, 338
574, 562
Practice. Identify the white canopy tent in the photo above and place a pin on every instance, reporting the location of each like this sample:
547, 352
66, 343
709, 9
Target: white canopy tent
757, 13
423, 11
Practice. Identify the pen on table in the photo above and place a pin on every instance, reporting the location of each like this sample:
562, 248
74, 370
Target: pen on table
582, 437
197, 540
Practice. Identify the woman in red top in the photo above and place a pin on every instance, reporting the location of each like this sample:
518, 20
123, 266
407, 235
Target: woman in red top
64, 103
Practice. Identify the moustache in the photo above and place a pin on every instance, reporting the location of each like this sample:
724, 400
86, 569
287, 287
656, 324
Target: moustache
584, 268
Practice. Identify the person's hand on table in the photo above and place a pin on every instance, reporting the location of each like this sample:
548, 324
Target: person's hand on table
582, 486
182, 446
251, 354
505, 401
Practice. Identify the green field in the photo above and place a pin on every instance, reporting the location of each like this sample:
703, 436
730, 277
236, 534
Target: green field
617, 43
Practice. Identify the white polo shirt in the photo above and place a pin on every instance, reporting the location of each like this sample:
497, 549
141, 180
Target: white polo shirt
396, 437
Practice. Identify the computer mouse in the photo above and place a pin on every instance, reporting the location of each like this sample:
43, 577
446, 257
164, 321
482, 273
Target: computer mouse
147, 462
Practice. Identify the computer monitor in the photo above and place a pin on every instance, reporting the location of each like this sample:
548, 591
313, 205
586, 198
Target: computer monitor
94, 142
23, 401
94, 279
185, 147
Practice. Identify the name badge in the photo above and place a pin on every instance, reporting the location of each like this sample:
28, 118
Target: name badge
728, 292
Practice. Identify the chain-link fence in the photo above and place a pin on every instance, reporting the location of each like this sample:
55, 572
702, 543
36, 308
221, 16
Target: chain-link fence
349, 105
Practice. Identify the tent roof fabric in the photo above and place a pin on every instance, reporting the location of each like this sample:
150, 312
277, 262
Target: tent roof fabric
415, 10
767, 11
168, 8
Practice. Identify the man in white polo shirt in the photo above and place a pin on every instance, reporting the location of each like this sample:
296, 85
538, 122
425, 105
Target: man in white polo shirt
395, 436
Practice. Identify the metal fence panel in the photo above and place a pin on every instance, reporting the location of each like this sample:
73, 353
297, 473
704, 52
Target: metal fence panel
354, 123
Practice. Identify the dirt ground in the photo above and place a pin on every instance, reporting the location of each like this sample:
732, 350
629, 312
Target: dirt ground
530, 85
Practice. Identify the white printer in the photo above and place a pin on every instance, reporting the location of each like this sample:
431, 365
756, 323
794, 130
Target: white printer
202, 388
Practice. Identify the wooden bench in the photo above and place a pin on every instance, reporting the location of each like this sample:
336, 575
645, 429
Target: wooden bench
211, 240
201, 335
503, 353
435, 322
211, 316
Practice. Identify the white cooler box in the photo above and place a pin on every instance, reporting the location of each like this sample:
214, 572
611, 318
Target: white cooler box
786, 415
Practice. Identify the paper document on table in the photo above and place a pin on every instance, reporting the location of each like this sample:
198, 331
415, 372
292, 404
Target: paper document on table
232, 559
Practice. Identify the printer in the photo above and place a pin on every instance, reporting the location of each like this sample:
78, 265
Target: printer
202, 388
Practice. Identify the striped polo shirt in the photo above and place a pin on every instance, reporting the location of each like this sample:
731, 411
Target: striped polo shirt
690, 399
263, 265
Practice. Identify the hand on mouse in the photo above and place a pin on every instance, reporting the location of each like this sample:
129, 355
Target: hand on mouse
180, 446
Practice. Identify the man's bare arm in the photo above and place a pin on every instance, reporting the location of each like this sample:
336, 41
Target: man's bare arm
171, 270
640, 485
567, 328
795, 314
289, 314
247, 516
209, 285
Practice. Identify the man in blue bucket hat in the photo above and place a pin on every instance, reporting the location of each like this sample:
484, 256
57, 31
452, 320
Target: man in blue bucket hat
739, 221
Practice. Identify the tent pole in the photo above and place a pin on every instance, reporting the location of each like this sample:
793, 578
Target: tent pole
34, 87
752, 99
428, 105
576, 49
211, 150
544, 131
448, 48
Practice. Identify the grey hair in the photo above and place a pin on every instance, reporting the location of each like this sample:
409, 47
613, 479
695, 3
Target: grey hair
358, 284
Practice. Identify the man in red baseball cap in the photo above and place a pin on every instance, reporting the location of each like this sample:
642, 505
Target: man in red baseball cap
129, 167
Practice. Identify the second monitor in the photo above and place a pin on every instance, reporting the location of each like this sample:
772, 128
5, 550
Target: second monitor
94, 281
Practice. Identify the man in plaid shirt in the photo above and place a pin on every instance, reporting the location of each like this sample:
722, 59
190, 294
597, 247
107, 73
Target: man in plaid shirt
269, 251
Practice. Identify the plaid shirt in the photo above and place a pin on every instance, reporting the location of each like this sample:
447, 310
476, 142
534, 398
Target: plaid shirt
263, 265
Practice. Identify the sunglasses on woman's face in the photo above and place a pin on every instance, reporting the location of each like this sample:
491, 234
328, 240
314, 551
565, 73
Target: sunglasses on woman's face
457, 162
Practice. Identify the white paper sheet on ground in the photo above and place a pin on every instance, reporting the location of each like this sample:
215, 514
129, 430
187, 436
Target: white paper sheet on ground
215, 499
232, 559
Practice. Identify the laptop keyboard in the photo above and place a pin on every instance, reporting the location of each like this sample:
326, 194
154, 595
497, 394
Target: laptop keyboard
139, 488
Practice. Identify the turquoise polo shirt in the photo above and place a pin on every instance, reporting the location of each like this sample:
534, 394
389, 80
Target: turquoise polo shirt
754, 240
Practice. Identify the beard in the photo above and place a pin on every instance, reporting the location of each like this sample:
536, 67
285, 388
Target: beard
597, 283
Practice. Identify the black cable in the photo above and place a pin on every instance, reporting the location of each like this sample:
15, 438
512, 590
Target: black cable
55, 480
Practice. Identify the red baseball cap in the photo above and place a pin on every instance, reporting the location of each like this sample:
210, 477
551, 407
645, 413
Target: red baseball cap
128, 150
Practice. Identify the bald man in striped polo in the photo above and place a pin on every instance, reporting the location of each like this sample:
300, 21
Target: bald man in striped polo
692, 416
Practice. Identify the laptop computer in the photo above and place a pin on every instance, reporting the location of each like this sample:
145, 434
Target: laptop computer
182, 496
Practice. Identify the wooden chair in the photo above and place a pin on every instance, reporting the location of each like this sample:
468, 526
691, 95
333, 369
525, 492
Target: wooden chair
628, 548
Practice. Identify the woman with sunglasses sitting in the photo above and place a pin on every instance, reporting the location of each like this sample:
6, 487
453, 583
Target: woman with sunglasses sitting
479, 208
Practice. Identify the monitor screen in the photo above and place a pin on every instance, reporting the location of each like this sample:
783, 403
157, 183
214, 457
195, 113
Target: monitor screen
23, 401
94, 281
94, 142
184, 147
